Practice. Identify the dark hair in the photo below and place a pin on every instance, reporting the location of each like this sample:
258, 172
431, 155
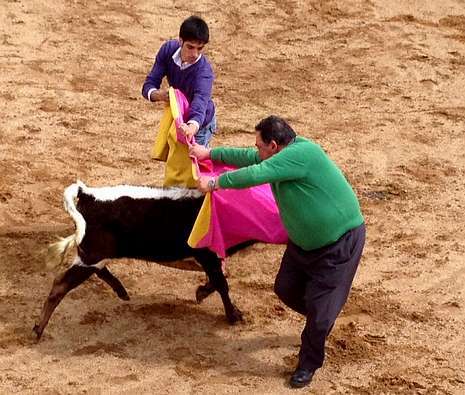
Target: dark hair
194, 28
275, 128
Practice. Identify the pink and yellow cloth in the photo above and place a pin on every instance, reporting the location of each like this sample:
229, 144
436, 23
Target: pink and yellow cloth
227, 216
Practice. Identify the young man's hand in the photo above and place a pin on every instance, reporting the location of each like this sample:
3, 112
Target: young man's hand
160, 95
189, 129
199, 151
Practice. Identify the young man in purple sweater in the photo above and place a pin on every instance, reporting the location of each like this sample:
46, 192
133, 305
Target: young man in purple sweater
187, 69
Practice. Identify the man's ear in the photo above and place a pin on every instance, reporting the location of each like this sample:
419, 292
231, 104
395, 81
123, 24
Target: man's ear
180, 41
274, 146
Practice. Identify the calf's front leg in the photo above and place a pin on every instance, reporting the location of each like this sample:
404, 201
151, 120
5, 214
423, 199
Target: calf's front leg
212, 266
203, 291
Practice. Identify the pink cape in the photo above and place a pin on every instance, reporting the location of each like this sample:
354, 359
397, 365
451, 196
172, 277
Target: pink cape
230, 216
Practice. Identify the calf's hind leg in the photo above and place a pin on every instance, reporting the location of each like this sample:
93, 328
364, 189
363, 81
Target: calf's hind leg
105, 275
64, 283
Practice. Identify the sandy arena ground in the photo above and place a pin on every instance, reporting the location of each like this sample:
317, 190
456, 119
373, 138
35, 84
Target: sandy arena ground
379, 84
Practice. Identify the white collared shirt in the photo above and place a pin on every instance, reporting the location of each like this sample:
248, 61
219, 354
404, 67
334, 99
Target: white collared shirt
177, 60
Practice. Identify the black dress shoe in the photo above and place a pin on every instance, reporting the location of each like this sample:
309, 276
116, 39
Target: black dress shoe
301, 378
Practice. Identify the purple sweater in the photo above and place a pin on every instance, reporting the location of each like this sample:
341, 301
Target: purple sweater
195, 82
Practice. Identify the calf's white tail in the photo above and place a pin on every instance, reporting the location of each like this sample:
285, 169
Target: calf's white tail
57, 251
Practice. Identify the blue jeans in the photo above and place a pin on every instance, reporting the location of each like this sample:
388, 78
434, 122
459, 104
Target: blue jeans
204, 135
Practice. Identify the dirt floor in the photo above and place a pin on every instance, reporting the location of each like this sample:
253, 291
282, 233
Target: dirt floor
379, 84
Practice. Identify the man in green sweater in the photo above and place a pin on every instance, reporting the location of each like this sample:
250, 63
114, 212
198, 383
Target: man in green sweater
322, 216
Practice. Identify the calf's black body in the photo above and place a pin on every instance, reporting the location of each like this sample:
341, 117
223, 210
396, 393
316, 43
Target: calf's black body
152, 229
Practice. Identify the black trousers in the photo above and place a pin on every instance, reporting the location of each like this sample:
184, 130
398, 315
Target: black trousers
316, 284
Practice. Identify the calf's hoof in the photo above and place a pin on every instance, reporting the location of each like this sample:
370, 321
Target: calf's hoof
37, 331
234, 316
123, 295
203, 291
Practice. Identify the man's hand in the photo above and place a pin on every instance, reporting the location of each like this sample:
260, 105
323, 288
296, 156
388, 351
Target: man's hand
207, 184
189, 129
160, 95
199, 151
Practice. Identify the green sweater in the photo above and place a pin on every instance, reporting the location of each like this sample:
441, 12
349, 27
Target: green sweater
316, 203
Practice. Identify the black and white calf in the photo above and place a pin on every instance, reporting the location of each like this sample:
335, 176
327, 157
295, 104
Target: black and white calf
131, 222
